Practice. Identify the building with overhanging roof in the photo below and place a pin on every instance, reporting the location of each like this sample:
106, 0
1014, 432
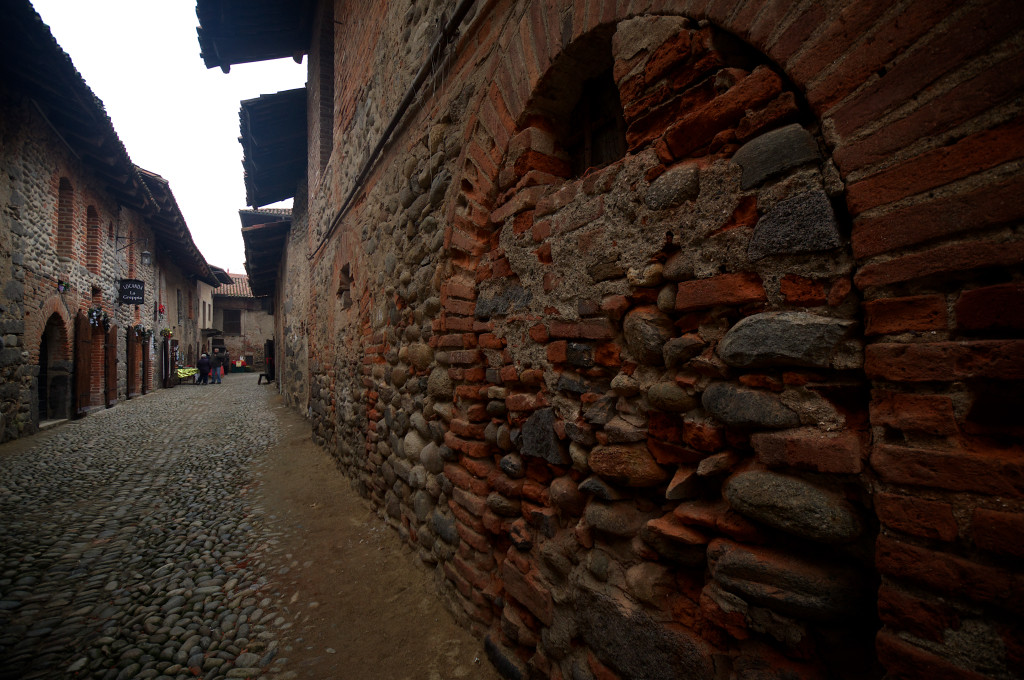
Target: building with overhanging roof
244, 323
95, 256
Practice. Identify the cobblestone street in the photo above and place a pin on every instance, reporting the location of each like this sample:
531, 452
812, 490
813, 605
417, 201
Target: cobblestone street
133, 544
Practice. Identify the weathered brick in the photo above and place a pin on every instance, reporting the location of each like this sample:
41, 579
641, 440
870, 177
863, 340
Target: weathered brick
974, 32
530, 591
799, 290
519, 401
950, 575
947, 361
996, 472
965, 100
888, 38
986, 206
697, 129
474, 449
964, 157
991, 308
898, 315
929, 413
915, 516
904, 660
724, 289
927, 619
998, 532
947, 259
810, 449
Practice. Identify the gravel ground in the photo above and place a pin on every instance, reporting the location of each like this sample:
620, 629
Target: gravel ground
131, 547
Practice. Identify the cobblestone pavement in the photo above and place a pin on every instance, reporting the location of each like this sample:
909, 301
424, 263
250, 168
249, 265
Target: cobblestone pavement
130, 547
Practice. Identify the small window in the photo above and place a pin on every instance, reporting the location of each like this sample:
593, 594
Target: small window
92, 234
180, 308
232, 322
65, 217
598, 132
345, 286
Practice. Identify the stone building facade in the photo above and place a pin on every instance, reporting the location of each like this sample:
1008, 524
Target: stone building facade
244, 322
680, 339
77, 219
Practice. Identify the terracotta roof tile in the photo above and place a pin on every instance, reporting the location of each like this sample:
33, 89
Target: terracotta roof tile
238, 288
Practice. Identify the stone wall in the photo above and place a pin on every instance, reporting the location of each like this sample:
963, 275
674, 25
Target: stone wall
739, 403
258, 326
33, 259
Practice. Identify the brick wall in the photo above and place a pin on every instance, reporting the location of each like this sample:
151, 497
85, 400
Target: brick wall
740, 402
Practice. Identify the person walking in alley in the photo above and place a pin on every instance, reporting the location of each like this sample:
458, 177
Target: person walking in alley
204, 368
218, 366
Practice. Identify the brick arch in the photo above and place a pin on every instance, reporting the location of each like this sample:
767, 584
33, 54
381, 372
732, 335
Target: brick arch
36, 325
564, 341
922, 141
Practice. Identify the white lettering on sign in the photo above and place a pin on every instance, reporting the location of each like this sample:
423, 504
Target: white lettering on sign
132, 291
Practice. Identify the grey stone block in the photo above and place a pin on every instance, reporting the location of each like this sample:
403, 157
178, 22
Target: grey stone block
819, 591
783, 339
743, 407
634, 645
802, 224
673, 187
775, 152
539, 438
646, 331
793, 505
509, 299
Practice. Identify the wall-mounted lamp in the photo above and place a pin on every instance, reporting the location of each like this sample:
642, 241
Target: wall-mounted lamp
145, 256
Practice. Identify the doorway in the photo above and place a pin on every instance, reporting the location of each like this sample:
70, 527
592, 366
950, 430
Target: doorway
53, 382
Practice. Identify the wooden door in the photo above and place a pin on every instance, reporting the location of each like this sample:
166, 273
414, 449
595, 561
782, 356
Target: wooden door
110, 367
131, 346
83, 364
146, 361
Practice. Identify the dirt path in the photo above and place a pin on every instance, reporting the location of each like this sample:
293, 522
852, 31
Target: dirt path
365, 605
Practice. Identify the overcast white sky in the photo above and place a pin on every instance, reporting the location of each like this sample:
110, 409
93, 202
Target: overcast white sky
174, 116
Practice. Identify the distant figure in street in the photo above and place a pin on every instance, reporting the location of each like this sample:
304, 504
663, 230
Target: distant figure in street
218, 366
204, 368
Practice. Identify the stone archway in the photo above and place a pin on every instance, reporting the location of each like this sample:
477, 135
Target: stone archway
53, 382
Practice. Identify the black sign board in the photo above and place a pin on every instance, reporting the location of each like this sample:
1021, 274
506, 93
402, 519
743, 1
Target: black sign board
132, 292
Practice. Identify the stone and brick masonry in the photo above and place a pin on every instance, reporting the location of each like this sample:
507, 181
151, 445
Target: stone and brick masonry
742, 402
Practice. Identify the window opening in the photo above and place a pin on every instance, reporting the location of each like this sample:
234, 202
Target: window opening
345, 286
92, 232
232, 322
65, 214
597, 129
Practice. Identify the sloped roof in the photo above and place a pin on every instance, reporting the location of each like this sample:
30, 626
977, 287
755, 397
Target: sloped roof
239, 287
172, 233
33, 63
264, 216
264, 236
273, 138
240, 31
221, 275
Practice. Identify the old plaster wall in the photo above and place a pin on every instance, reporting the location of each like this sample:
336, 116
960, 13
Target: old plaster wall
739, 404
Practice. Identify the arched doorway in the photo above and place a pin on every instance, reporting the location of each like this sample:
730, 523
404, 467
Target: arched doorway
53, 383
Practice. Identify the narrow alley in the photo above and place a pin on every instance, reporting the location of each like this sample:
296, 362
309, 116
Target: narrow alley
197, 532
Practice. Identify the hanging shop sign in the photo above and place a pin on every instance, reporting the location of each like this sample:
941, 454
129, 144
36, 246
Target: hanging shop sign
131, 292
